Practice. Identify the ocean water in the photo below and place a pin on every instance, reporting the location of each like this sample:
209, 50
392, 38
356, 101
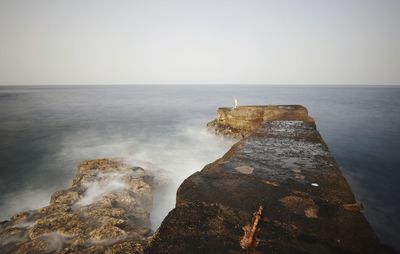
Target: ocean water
45, 131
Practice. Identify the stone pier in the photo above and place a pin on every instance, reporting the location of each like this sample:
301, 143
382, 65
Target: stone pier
283, 166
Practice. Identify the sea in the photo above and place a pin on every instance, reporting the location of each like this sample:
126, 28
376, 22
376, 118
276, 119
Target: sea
45, 131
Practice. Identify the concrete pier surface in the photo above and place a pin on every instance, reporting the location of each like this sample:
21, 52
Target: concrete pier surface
277, 190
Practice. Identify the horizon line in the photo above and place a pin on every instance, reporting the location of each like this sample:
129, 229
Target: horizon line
204, 84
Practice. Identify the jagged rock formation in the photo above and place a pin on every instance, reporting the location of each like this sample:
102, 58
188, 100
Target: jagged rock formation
104, 211
283, 166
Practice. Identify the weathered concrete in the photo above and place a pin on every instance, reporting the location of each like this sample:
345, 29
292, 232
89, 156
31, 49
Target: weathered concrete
243, 120
283, 165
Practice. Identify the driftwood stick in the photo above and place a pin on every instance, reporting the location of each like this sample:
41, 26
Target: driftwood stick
248, 241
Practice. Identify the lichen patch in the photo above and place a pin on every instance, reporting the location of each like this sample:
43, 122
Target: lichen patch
300, 205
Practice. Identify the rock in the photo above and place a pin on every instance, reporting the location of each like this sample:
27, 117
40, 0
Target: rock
104, 211
243, 120
107, 231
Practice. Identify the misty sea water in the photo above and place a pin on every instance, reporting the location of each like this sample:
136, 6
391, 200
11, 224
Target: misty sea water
45, 131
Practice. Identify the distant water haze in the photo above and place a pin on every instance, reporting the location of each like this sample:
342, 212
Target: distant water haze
46, 131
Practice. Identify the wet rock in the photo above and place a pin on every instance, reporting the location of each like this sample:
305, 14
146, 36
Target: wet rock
107, 231
188, 227
104, 211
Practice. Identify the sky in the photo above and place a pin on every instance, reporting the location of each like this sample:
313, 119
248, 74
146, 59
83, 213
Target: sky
60, 42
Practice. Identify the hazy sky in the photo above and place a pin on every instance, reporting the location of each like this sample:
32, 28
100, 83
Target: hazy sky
204, 41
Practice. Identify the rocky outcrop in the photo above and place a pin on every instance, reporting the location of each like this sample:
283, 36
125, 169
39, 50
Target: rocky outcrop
104, 211
243, 120
278, 190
